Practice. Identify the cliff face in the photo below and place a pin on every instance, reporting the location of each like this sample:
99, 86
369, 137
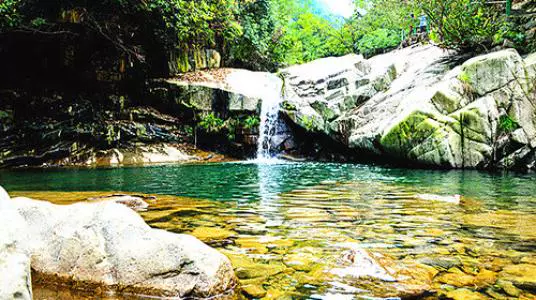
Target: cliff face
71, 97
423, 106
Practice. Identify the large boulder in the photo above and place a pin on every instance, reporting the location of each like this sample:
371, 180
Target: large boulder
420, 105
15, 278
109, 246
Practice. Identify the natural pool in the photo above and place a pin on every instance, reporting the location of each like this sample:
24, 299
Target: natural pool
317, 230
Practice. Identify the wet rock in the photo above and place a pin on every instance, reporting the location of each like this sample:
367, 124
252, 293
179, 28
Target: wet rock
456, 279
209, 234
494, 294
252, 245
362, 265
252, 229
518, 223
109, 245
300, 261
246, 268
455, 199
509, 288
465, 294
385, 276
441, 262
521, 275
485, 278
136, 203
253, 291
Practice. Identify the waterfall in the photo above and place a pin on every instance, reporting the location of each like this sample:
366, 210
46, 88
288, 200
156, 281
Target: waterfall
267, 87
271, 102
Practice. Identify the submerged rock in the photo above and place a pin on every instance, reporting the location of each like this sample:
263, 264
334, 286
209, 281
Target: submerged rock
136, 203
107, 245
521, 275
465, 294
449, 199
385, 276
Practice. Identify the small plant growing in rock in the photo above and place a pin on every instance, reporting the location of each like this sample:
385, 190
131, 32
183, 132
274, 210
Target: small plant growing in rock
251, 122
211, 123
288, 106
308, 122
463, 77
507, 124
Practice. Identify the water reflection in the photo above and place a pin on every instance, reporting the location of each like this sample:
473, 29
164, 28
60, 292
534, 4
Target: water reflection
286, 226
255, 182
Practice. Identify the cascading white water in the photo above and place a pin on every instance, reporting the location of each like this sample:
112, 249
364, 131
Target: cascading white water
268, 121
267, 87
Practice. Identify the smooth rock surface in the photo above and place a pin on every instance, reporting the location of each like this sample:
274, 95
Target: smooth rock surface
15, 277
109, 245
422, 105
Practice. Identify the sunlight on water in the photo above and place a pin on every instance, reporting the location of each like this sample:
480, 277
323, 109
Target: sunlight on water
332, 231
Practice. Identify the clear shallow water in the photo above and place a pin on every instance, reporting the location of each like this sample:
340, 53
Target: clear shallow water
298, 230
245, 181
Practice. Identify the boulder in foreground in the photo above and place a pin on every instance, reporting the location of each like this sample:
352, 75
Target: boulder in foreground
108, 246
15, 281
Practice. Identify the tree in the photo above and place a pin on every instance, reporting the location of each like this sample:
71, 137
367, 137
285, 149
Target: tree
463, 24
378, 25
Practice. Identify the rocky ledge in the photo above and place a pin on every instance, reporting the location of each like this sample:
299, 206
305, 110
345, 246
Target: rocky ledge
422, 105
104, 247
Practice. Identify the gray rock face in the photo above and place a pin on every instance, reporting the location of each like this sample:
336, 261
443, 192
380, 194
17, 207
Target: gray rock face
234, 90
109, 245
419, 105
15, 277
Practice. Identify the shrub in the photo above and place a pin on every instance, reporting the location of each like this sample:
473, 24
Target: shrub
211, 124
507, 124
251, 122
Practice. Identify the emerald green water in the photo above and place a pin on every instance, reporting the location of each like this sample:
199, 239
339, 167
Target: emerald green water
252, 182
290, 229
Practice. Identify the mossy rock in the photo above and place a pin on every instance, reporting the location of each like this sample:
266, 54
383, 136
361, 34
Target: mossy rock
410, 132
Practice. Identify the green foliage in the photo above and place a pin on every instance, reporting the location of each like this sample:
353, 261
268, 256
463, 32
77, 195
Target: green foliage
463, 77
507, 124
38, 22
185, 24
377, 40
197, 22
211, 124
288, 106
308, 122
4, 115
254, 48
310, 37
251, 122
463, 24
378, 24
10, 16
279, 33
